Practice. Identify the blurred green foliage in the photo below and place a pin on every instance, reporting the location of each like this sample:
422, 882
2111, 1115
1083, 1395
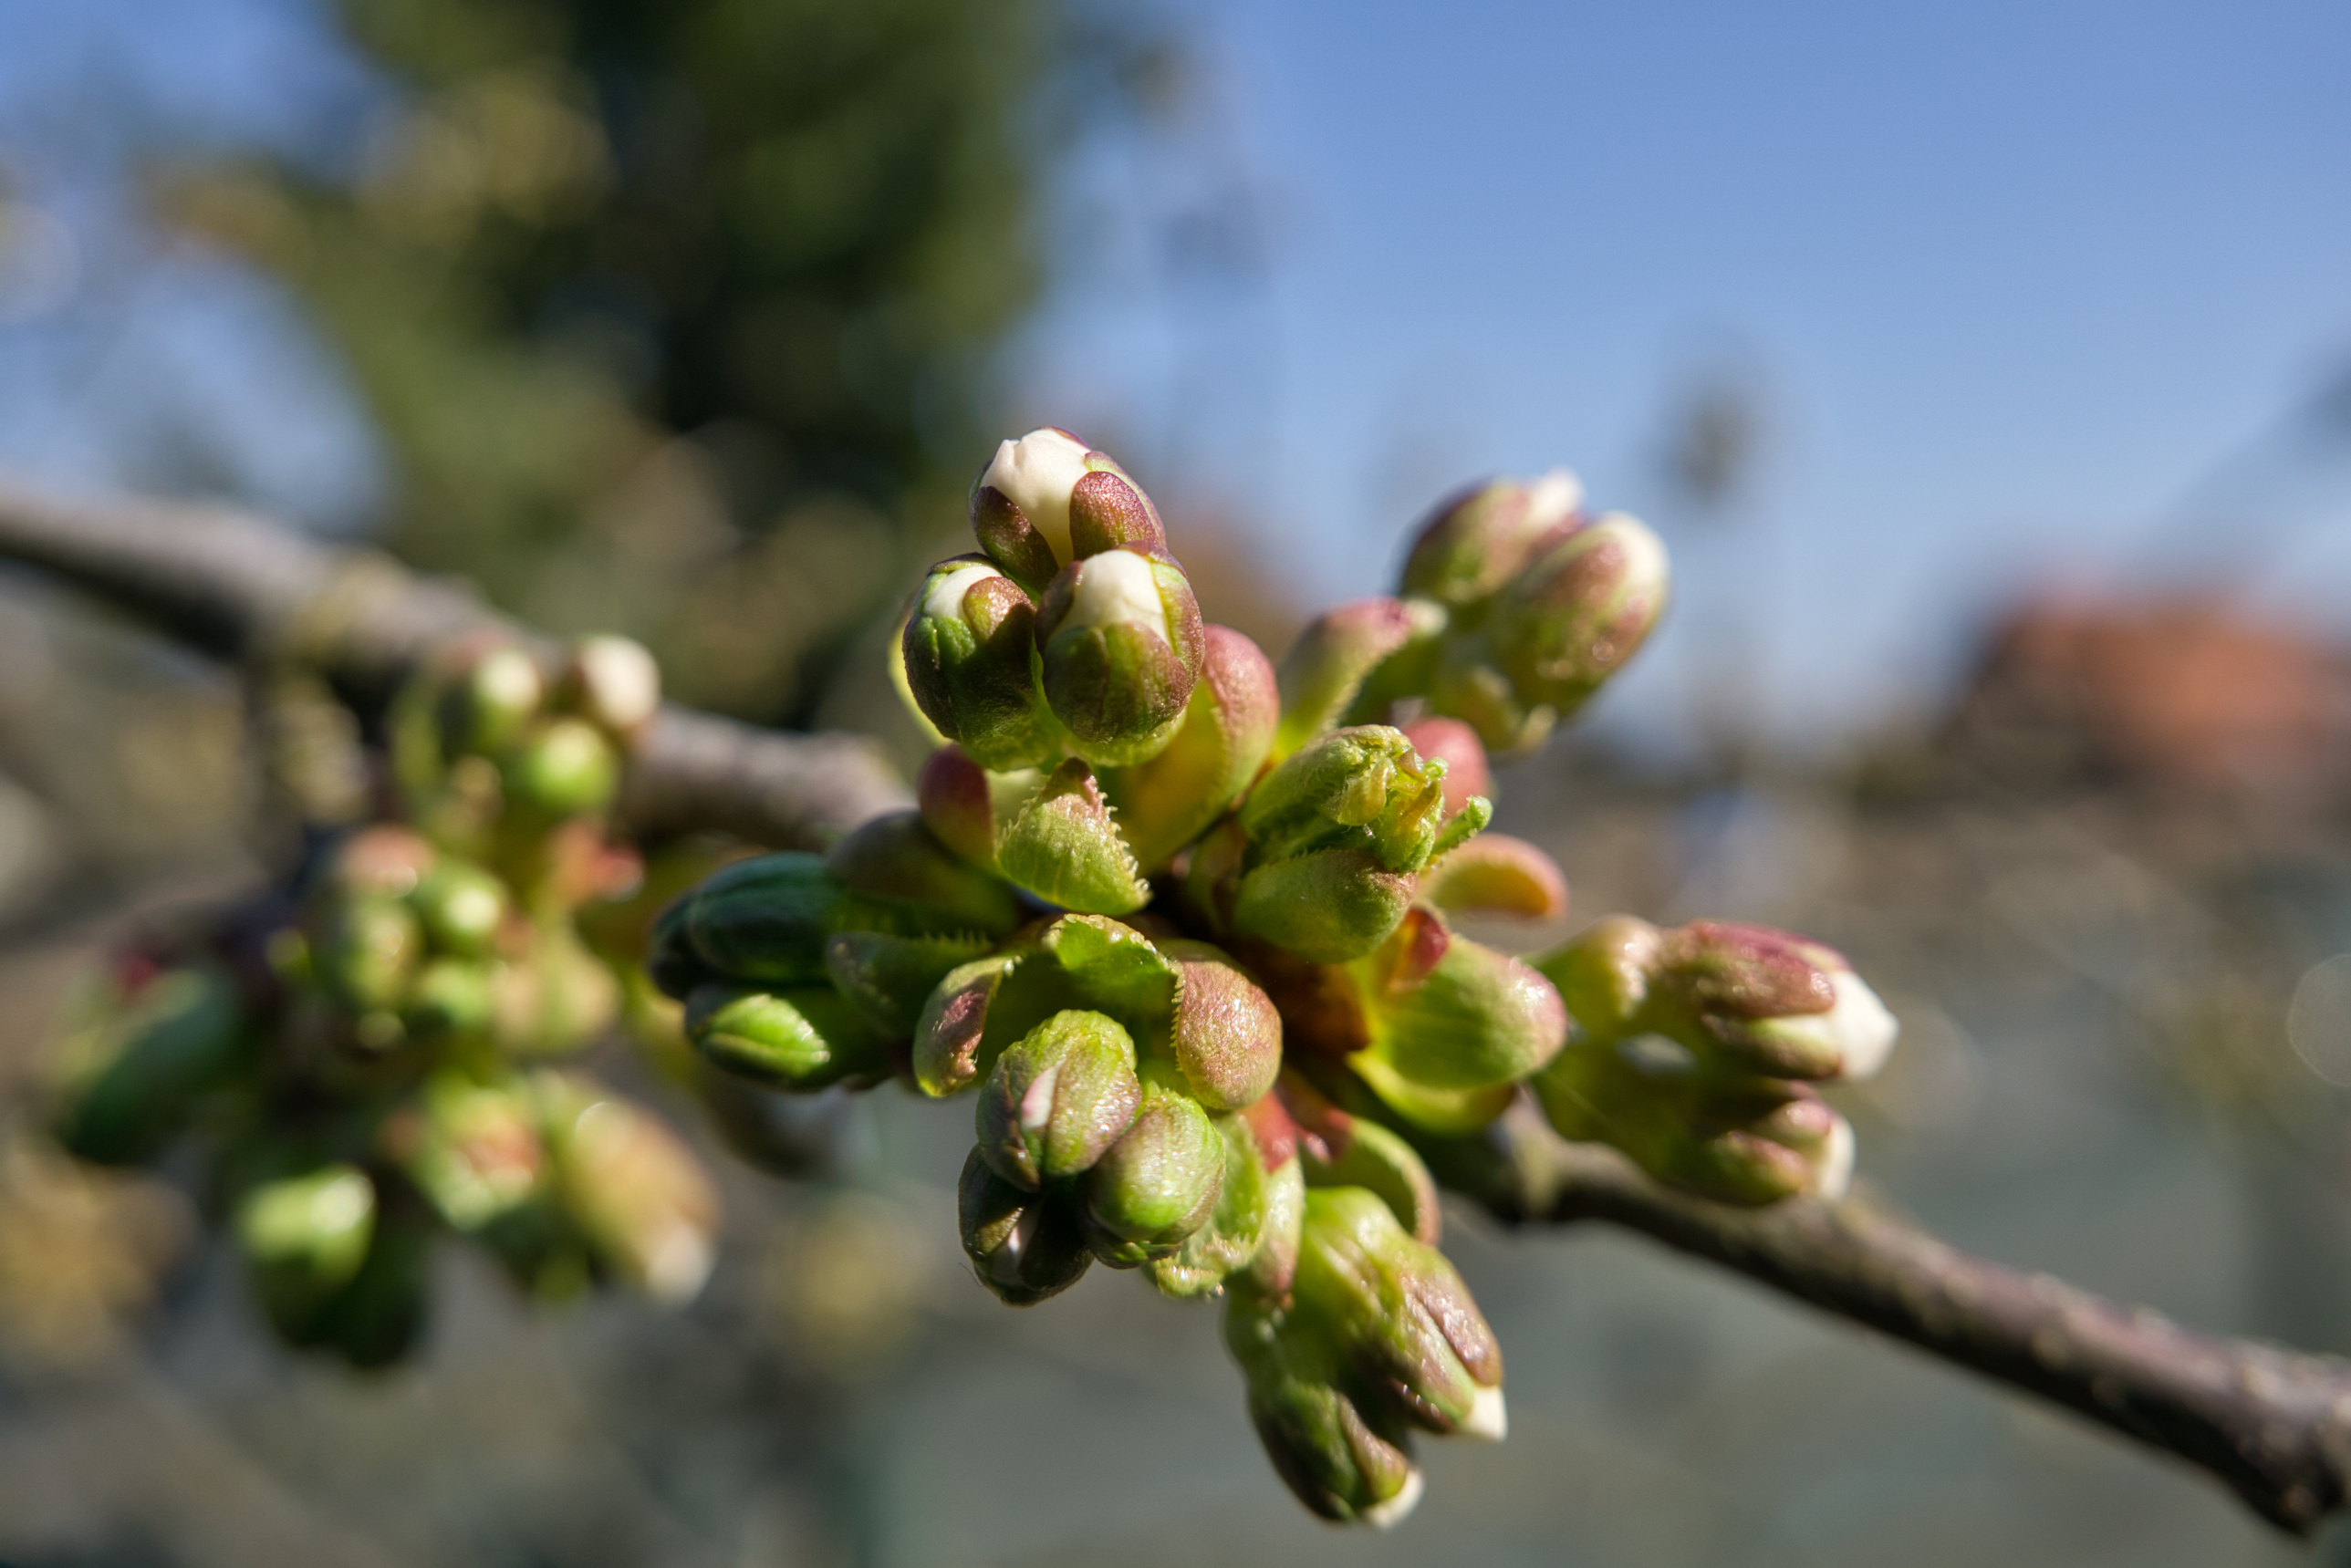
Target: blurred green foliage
677, 315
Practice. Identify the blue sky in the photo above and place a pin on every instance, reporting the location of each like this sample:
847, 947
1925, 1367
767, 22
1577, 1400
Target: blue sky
2028, 289
2017, 278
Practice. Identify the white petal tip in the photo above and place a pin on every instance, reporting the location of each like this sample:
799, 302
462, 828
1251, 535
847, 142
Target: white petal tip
1835, 1177
1488, 1420
1389, 1514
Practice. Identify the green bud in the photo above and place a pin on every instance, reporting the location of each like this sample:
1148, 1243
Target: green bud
1346, 1460
451, 995
1496, 875
566, 767
1165, 802
969, 648
473, 1150
1336, 1149
949, 1036
1057, 1098
803, 1039
1023, 1246
129, 1082
1326, 907
1407, 1321
905, 879
1228, 1034
1235, 1230
1122, 645
305, 1236
1327, 667
1476, 541
1446, 1013
634, 1189
966, 805
613, 683
761, 919
1360, 789
493, 701
1583, 607
1065, 847
890, 977
368, 953
462, 907
1159, 1181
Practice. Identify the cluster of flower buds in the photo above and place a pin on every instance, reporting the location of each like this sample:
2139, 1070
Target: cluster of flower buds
1696, 1049
1514, 606
365, 1060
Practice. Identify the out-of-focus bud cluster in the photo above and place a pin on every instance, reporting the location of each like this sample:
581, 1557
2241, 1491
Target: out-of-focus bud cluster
1514, 606
1696, 1049
366, 1061
1160, 915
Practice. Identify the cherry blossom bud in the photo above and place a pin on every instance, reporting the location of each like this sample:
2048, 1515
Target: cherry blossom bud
800, 1039
1227, 1034
304, 1238
1047, 500
1476, 541
1364, 789
462, 907
969, 650
1235, 1230
564, 768
1023, 1245
899, 871
1582, 608
493, 701
1158, 1182
1326, 907
762, 919
1346, 1460
614, 684
1326, 669
949, 1035
1064, 846
1122, 644
473, 1150
890, 976
1058, 1099
1169, 800
637, 1192
1451, 1024
1494, 873
368, 953
968, 806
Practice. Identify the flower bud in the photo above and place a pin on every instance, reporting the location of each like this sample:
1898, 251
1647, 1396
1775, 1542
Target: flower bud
1476, 541
564, 769
462, 907
1165, 802
800, 1039
1346, 1460
1326, 668
613, 683
130, 1082
1336, 1149
492, 702
368, 953
1064, 846
949, 1035
1227, 1034
905, 878
1360, 789
1234, 1229
1451, 1024
969, 648
1123, 646
1583, 607
451, 996
634, 1189
762, 919
1046, 500
890, 977
1023, 1246
1463, 683
1326, 907
304, 1238
1057, 1098
1495, 873
966, 805
384, 860
1405, 1320
1157, 1183
473, 1150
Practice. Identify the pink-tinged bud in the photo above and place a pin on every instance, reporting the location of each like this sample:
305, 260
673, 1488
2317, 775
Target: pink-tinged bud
968, 649
966, 805
1326, 668
1228, 1034
1122, 644
1058, 1099
385, 860
1604, 974
1065, 847
474, 1150
1047, 500
1165, 802
1476, 540
612, 683
1455, 744
949, 1035
1582, 608
1494, 873
1024, 1246
634, 1187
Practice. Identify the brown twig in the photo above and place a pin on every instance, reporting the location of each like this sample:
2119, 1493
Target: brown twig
239, 587
2274, 1424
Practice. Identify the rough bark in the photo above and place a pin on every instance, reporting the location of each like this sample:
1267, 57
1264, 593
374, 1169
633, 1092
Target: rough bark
2273, 1423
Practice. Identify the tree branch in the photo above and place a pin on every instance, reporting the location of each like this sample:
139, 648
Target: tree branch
2274, 1424
241, 588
